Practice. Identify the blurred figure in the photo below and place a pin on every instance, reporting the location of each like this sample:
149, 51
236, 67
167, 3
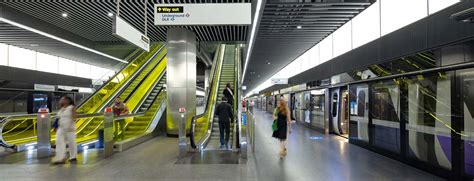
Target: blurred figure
66, 131
282, 116
224, 112
119, 109
229, 94
251, 105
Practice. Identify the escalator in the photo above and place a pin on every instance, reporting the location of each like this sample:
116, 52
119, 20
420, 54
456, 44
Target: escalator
227, 76
88, 130
204, 127
140, 83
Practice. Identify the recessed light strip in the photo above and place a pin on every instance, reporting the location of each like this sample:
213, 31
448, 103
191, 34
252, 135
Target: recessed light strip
59, 39
252, 36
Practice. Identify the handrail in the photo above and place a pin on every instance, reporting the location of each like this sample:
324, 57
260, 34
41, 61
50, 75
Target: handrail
135, 74
128, 116
142, 101
129, 81
149, 73
126, 84
217, 62
251, 129
110, 79
33, 116
238, 105
136, 53
8, 119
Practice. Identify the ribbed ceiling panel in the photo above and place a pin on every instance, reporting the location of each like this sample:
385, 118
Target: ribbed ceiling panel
288, 29
89, 18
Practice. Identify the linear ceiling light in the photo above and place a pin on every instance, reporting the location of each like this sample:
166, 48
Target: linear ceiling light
252, 36
59, 39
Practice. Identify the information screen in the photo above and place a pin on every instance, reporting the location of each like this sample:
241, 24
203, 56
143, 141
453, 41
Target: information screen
39, 101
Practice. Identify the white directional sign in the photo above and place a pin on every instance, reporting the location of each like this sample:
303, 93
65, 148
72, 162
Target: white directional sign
279, 81
128, 33
203, 14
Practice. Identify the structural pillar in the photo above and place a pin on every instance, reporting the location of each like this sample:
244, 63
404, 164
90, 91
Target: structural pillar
181, 81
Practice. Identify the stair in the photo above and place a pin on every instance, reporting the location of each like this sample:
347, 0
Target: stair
150, 106
227, 76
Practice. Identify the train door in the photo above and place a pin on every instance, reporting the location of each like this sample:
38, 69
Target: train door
299, 112
307, 107
334, 110
339, 111
292, 105
344, 119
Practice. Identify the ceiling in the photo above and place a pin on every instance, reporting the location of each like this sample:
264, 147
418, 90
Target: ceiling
89, 18
289, 28
19, 37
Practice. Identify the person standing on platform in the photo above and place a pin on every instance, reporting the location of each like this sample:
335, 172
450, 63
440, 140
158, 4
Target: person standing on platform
225, 115
119, 109
282, 116
66, 131
229, 94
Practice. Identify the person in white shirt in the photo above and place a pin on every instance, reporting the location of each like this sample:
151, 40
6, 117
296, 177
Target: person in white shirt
66, 131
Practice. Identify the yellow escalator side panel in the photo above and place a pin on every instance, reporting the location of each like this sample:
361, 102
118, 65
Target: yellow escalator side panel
28, 134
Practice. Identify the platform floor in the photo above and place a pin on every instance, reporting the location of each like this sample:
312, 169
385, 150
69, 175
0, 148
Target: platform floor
311, 156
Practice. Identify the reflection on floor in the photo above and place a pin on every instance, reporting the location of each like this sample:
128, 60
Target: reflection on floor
311, 156
89, 156
212, 157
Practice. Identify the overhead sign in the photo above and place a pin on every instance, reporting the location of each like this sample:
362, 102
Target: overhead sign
203, 14
127, 32
279, 81
43, 87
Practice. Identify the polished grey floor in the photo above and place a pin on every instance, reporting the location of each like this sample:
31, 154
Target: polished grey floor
312, 156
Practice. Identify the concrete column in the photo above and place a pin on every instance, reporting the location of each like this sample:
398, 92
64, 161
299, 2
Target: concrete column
181, 79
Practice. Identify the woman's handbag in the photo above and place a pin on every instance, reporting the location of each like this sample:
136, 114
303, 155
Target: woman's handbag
275, 122
55, 123
275, 125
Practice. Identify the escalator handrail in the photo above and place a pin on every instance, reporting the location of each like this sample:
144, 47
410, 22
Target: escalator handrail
129, 81
237, 99
158, 63
142, 101
110, 79
121, 89
9, 119
5, 120
128, 116
208, 93
136, 53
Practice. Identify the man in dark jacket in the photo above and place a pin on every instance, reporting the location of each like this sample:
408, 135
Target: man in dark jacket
224, 112
229, 94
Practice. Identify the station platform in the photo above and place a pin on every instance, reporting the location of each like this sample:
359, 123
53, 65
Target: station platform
311, 156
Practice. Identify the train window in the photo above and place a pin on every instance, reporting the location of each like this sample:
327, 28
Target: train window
334, 105
361, 103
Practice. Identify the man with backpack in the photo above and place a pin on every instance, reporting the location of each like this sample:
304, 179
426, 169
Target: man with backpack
225, 115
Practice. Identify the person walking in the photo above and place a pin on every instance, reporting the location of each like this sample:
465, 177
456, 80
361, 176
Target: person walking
225, 115
282, 116
229, 94
66, 131
119, 109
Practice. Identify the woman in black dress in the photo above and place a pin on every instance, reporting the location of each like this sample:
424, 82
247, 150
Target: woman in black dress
282, 115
